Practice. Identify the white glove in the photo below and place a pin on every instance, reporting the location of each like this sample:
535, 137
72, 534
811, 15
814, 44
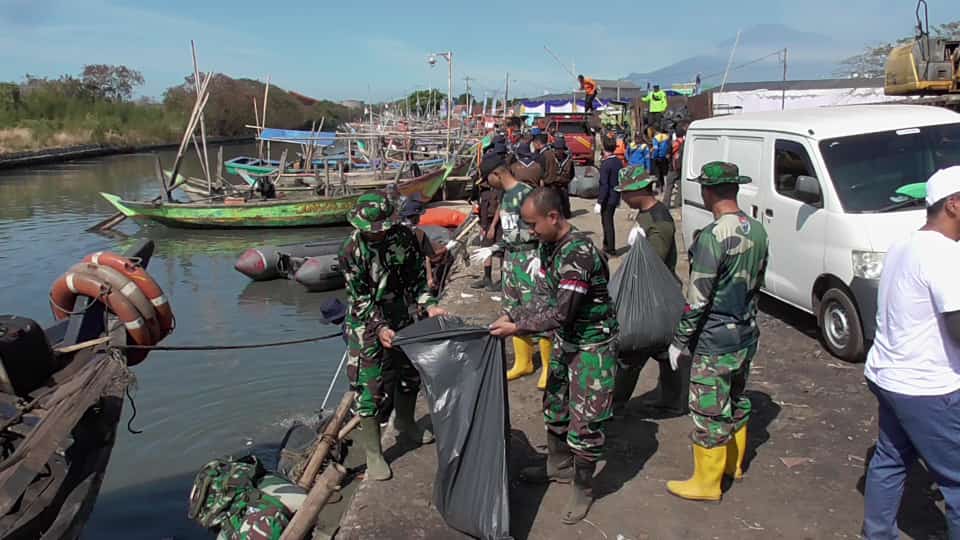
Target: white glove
451, 244
533, 267
675, 355
636, 232
596, 208
481, 254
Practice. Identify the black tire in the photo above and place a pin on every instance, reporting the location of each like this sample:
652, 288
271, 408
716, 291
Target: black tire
840, 328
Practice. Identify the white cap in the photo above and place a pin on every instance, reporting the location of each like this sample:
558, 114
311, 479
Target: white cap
942, 184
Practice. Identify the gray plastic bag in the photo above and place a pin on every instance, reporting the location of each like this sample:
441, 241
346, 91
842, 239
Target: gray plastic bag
463, 374
648, 298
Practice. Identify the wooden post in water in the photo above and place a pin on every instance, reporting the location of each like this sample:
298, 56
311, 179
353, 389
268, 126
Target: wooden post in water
327, 440
266, 93
301, 526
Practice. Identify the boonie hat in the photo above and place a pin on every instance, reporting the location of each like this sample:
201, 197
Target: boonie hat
489, 163
374, 212
333, 311
721, 172
633, 178
943, 184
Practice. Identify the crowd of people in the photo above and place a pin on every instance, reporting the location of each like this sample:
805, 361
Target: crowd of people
556, 300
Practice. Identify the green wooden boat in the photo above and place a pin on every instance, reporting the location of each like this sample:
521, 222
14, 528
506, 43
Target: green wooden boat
287, 212
306, 212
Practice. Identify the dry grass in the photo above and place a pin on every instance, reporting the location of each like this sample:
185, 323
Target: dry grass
17, 139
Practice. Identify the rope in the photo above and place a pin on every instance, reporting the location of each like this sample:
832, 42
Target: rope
225, 347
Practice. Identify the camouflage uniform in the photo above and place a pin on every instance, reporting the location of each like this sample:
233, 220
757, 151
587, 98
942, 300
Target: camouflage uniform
719, 327
519, 250
579, 393
386, 283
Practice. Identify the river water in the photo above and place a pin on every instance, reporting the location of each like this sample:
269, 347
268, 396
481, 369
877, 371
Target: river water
191, 406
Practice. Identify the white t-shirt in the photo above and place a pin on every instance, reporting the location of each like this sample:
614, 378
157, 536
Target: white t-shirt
912, 353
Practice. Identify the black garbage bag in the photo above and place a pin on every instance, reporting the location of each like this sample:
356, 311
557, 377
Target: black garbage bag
649, 300
463, 374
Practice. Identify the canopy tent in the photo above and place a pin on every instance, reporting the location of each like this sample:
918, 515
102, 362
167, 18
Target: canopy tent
554, 106
294, 136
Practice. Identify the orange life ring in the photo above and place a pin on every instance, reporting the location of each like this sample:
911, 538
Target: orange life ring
67, 287
138, 275
119, 282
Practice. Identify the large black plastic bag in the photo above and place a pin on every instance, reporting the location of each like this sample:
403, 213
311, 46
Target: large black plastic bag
462, 369
649, 300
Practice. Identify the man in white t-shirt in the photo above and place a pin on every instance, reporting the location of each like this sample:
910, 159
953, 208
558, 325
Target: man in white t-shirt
913, 367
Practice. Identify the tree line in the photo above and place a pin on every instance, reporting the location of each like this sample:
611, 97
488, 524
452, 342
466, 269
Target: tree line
98, 107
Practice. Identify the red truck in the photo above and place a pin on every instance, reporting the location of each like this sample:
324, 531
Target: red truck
574, 129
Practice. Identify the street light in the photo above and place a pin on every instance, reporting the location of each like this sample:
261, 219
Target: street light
432, 60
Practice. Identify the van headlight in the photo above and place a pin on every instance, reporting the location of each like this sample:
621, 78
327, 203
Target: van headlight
868, 264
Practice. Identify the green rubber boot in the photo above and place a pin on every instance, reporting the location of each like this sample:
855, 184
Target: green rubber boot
559, 466
404, 404
367, 437
582, 495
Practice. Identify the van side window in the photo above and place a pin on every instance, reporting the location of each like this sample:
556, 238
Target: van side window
791, 161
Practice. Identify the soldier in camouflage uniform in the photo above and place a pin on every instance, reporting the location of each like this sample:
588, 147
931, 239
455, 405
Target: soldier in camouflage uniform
520, 265
579, 395
386, 283
719, 328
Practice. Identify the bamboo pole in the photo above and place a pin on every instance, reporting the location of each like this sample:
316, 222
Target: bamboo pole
205, 160
263, 124
256, 118
301, 525
327, 439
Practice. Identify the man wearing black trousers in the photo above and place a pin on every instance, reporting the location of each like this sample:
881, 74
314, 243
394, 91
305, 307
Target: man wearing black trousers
609, 198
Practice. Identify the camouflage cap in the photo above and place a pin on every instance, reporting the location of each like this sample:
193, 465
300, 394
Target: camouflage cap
374, 212
721, 172
633, 178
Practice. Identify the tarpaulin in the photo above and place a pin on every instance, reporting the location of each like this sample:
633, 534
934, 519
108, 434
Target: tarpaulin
649, 300
463, 374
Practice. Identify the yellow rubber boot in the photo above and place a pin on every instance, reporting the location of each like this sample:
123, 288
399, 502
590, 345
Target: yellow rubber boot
522, 358
736, 449
704, 485
545, 349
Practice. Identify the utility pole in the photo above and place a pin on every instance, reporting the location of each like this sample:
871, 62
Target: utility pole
733, 51
783, 95
466, 80
506, 94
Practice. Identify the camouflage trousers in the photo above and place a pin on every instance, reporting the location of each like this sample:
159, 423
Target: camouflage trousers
718, 405
519, 287
579, 395
376, 373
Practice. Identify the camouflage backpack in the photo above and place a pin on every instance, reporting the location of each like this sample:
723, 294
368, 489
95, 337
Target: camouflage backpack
225, 496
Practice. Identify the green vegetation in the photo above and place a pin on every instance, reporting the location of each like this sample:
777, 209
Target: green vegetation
97, 108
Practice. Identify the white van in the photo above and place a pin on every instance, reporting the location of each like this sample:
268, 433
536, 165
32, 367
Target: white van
824, 186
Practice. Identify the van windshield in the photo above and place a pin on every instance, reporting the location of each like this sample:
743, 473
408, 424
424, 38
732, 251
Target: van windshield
868, 169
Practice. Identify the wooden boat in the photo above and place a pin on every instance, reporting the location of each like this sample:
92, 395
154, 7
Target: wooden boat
309, 210
63, 439
257, 166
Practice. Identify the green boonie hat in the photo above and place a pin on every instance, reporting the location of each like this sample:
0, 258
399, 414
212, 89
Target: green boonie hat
633, 178
721, 172
374, 212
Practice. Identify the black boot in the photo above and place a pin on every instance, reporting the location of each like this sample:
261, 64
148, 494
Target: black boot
582, 495
624, 384
559, 467
482, 283
674, 387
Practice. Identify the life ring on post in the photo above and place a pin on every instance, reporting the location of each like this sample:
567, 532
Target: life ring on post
67, 287
147, 284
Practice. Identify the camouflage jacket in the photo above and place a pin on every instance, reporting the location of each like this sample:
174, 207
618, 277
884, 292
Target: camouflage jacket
728, 261
516, 233
579, 307
384, 280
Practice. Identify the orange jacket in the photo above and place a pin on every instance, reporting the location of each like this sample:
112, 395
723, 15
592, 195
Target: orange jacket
621, 151
589, 85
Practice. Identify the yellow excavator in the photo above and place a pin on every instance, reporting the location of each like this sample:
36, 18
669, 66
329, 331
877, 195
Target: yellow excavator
929, 66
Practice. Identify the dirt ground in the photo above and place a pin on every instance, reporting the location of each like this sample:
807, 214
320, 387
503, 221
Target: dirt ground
810, 437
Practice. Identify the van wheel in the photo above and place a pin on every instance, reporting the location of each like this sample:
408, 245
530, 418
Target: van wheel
840, 326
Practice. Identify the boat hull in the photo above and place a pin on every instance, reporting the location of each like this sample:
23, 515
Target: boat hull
307, 212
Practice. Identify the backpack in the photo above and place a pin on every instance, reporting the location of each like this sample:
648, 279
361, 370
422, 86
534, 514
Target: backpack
225, 495
565, 171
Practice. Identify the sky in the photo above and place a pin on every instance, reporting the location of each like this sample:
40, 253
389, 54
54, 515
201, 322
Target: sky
376, 49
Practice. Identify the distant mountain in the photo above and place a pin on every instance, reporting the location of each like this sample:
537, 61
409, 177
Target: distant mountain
809, 56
